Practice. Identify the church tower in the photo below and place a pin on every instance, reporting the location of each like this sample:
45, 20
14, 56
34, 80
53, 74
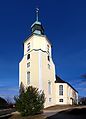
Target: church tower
36, 67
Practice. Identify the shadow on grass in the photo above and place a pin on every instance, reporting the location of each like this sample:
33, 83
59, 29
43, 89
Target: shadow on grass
70, 114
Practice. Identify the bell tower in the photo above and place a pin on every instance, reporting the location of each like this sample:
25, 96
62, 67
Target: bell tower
36, 67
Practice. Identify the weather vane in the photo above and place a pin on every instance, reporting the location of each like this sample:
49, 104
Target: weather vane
37, 14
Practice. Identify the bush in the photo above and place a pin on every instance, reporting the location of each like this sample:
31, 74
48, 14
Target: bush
30, 102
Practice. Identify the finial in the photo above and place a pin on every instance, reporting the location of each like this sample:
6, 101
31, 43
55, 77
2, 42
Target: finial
37, 14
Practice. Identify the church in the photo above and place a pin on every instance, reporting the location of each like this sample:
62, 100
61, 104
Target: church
37, 69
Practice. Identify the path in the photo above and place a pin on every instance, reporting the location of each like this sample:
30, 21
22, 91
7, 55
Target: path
51, 112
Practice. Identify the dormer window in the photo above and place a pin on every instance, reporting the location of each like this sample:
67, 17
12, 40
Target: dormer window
28, 47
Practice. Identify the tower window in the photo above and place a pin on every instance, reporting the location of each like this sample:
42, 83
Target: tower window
28, 64
48, 58
28, 77
49, 87
47, 48
28, 47
50, 99
60, 100
28, 56
60, 89
48, 66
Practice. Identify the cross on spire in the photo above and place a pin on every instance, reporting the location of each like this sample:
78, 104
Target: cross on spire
37, 14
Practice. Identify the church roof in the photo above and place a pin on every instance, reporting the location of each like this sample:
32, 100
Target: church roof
59, 80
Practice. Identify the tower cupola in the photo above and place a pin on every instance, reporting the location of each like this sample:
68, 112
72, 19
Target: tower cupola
37, 27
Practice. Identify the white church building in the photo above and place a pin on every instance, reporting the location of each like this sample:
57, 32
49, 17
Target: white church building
37, 69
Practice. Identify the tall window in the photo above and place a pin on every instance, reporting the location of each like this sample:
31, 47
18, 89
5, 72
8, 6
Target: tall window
60, 89
49, 87
28, 47
28, 77
28, 56
28, 64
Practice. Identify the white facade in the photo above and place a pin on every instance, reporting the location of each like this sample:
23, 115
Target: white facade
37, 69
69, 96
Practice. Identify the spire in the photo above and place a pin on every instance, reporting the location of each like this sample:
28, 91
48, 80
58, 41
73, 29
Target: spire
37, 14
37, 27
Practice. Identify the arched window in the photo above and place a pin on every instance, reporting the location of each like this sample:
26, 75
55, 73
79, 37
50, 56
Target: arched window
60, 89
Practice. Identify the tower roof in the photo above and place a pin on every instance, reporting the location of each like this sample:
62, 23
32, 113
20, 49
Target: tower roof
37, 27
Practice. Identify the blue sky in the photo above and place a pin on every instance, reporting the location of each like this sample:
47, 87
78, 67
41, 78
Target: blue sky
64, 22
